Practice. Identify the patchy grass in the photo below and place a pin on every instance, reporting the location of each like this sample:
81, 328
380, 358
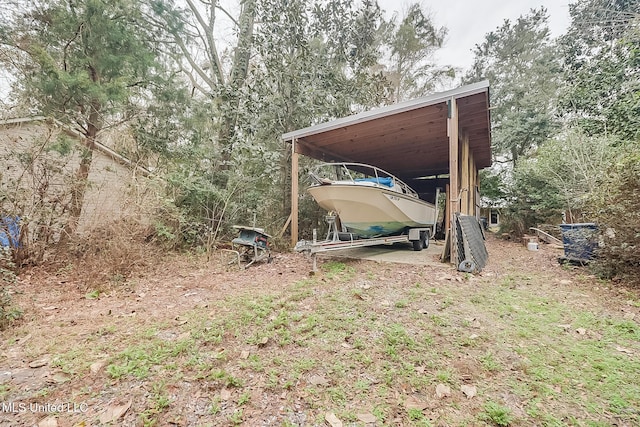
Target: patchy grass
358, 339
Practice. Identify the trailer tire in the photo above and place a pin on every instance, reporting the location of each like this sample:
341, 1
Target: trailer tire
422, 242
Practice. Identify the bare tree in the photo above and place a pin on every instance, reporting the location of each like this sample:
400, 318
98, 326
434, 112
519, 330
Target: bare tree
200, 54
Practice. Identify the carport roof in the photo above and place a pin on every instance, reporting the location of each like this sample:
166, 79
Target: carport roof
408, 139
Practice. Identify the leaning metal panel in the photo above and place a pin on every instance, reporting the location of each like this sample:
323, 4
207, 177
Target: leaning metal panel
472, 252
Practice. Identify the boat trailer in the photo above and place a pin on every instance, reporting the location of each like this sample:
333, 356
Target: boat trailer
335, 240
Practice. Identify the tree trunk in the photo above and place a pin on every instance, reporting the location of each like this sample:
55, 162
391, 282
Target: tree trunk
239, 74
81, 180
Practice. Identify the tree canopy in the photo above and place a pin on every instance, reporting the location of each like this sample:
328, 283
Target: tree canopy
411, 44
82, 62
601, 59
520, 62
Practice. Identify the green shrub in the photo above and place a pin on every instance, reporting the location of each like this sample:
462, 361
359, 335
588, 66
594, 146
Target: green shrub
616, 209
8, 312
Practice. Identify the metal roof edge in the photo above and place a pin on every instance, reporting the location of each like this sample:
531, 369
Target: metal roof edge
22, 120
401, 107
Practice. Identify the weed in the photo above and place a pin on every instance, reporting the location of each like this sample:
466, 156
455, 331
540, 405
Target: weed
272, 380
380, 412
4, 391
160, 398
337, 270
43, 392
337, 395
628, 329
288, 385
401, 304
415, 414
244, 398
309, 325
362, 385
237, 417
396, 335
427, 340
255, 310
467, 342
95, 294
105, 330
363, 357
496, 414
476, 300
444, 376
66, 269
68, 363
489, 362
338, 369
253, 362
8, 312
258, 338
448, 302
281, 320
359, 344
284, 337
439, 321
221, 376
117, 278
333, 268
138, 360
304, 364
214, 406
210, 334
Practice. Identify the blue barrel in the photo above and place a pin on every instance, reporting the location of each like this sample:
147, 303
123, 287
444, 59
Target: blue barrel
580, 241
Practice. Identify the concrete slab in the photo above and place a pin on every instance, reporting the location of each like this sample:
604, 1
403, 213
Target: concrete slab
402, 253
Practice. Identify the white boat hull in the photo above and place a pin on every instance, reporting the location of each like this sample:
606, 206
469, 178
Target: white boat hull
371, 211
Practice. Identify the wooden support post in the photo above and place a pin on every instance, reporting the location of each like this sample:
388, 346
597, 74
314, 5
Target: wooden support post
454, 186
474, 185
446, 251
477, 185
294, 194
465, 181
447, 209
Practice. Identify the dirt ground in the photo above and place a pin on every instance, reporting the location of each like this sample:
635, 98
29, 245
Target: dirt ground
58, 364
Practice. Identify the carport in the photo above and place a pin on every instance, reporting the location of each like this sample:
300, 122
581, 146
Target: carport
438, 141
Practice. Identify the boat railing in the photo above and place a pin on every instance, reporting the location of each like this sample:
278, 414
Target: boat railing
371, 174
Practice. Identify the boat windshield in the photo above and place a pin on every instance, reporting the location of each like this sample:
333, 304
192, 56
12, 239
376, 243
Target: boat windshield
358, 173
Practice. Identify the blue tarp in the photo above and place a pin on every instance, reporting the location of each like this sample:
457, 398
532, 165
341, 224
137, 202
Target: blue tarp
580, 241
10, 231
388, 181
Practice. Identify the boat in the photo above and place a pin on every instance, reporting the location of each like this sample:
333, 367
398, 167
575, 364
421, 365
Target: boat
369, 201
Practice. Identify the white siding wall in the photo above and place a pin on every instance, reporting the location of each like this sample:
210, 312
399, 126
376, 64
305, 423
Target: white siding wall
107, 196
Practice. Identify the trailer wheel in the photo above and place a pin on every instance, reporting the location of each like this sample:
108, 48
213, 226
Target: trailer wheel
422, 243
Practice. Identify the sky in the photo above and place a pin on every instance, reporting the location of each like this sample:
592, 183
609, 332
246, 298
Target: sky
469, 20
